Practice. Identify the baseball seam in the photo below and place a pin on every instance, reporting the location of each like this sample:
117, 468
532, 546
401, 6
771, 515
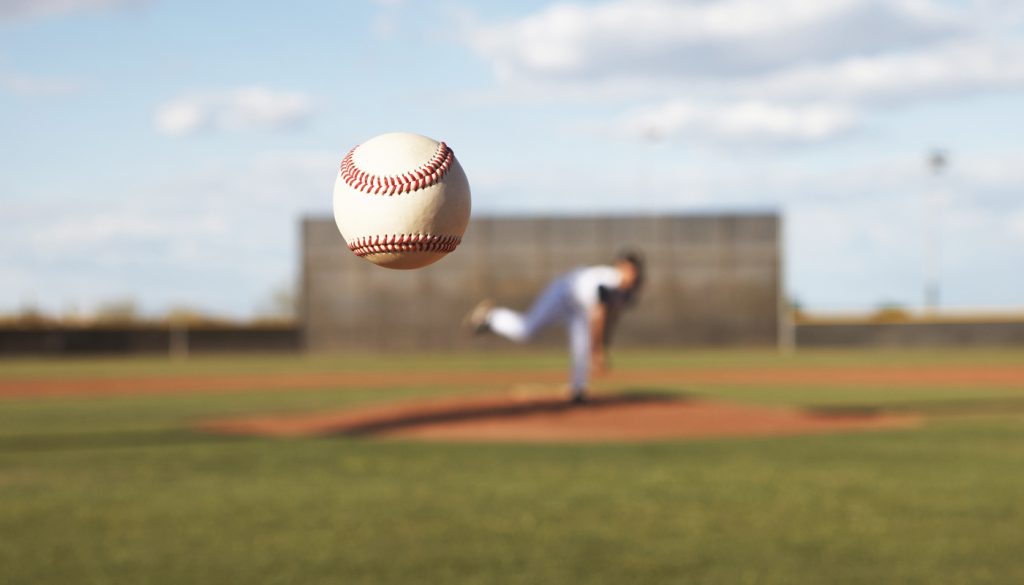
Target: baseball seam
394, 243
427, 174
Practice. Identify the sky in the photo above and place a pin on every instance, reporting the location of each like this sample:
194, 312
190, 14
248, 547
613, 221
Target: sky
164, 151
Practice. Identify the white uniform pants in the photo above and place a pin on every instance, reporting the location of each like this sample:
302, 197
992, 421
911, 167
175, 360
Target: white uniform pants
554, 305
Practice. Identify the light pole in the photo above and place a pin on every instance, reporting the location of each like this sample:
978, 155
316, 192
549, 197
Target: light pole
937, 161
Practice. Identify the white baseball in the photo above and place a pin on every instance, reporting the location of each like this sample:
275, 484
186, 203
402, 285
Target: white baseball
401, 200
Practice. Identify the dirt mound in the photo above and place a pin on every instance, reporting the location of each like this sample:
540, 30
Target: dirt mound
508, 418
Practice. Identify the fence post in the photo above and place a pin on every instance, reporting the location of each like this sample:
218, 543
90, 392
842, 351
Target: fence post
178, 342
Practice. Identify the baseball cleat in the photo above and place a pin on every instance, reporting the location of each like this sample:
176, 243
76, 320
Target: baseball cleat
578, 398
476, 320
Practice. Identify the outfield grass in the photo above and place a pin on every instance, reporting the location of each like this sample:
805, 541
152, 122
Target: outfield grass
489, 361
119, 490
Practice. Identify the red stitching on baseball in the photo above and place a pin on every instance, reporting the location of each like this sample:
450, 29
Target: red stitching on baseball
427, 174
393, 243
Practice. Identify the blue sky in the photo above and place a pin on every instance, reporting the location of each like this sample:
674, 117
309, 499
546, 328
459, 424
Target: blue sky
164, 151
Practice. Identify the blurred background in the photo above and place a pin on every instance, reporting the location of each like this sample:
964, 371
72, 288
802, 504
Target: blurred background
157, 157
835, 176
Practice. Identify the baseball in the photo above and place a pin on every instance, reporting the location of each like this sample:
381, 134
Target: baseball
401, 200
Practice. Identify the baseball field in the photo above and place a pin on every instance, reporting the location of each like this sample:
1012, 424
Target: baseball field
724, 467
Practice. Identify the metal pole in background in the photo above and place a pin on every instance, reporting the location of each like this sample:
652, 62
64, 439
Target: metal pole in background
178, 333
937, 161
786, 307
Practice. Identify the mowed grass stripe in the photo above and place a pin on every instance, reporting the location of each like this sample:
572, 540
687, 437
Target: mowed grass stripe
503, 358
938, 505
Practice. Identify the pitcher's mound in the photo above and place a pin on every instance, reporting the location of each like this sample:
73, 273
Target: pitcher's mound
508, 418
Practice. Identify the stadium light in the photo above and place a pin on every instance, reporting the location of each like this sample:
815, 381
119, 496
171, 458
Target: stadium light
937, 161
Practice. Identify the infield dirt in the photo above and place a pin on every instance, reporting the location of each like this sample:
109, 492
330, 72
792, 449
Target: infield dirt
505, 415
508, 417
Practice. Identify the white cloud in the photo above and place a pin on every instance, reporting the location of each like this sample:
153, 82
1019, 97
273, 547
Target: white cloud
386, 19
760, 63
999, 14
959, 67
11, 10
989, 172
858, 237
1017, 226
40, 87
658, 38
244, 108
219, 238
102, 227
749, 121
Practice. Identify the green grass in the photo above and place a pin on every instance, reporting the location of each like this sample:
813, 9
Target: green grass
882, 397
507, 357
276, 364
119, 490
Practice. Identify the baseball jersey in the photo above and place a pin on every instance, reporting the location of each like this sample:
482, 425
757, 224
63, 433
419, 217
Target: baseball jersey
587, 282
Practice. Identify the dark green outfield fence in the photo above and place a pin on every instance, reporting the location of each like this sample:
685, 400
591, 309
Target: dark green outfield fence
210, 340
914, 334
147, 340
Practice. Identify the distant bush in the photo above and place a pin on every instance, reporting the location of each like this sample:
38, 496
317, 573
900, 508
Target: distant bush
28, 317
192, 317
890, 313
279, 309
117, 312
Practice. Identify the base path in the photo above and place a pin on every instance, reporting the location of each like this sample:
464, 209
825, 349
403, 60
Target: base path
508, 418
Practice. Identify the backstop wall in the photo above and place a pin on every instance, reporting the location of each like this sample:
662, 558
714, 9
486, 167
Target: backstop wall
713, 279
